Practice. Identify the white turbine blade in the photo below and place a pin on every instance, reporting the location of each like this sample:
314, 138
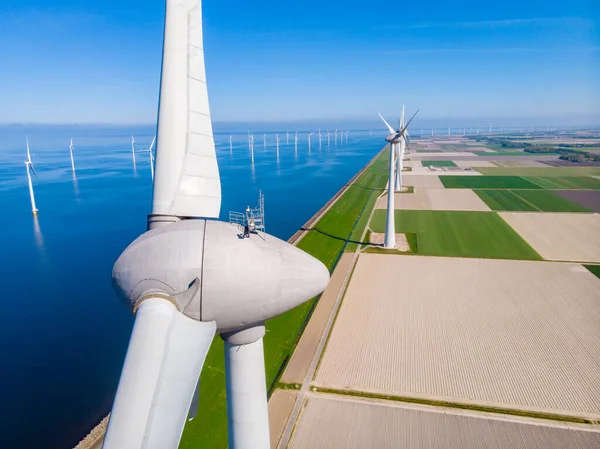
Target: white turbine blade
28, 153
152, 144
408, 123
390, 129
33, 170
187, 176
161, 370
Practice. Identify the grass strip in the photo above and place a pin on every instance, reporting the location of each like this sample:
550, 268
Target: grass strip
438, 164
458, 405
594, 269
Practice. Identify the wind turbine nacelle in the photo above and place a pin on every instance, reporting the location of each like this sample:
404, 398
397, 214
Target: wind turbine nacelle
211, 273
393, 138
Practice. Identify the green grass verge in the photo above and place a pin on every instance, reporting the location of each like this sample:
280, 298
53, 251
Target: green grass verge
459, 234
541, 171
548, 201
209, 427
503, 200
438, 164
594, 269
459, 405
487, 182
565, 182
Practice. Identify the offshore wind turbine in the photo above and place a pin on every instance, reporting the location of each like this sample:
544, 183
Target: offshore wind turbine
328, 136
335, 137
296, 143
393, 138
264, 142
448, 130
309, 141
320, 138
277, 144
71, 153
490, 127
432, 128
158, 275
230, 144
29, 168
133, 152
287, 137
151, 155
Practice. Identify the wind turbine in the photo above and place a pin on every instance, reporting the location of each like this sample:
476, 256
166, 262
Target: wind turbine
133, 152
320, 138
287, 137
328, 135
71, 152
400, 156
335, 137
393, 138
277, 144
309, 141
151, 154
296, 143
432, 128
244, 280
264, 142
29, 168
230, 144
490, 127
448, 130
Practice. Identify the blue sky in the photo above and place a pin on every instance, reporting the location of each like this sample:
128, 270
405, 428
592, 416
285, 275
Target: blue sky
75, 61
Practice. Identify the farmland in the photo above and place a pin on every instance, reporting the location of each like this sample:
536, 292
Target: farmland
487, 182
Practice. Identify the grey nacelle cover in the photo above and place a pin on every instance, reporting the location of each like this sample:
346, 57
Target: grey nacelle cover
241, 281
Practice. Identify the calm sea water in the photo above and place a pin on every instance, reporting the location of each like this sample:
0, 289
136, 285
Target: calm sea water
63, 332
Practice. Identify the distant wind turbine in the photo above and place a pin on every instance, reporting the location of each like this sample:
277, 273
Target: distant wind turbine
264, 142
71, 152
296, 143
320, 138
309, 141
151, 155
287, 137
133, 152
328, 138
29, 168
230, 144
448, 130
277, 144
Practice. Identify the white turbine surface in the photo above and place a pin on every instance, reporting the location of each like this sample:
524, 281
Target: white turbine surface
400, 156
164, 359
230, 144
71, 152
185, 137
29, 168
186, 279
133, 151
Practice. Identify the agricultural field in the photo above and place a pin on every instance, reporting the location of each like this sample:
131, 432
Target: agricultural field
487, 182
565, 182
338, 422
504, 200
559, 236
436, 199
459, 234
469, 331
528, 200
438, 164
587, 198
541, 171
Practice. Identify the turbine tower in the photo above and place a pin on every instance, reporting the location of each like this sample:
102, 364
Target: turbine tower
399, 157
309, 141
133, 152
151, 155
393, 138
244, 280
320, 138
230, 144
264, 142
287, 137
277, 144
296, 143
71, 153
29, 168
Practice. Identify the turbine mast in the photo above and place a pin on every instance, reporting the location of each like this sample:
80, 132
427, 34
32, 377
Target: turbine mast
71, 152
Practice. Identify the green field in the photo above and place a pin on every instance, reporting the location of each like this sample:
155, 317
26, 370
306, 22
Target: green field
528, 200
547, 201
487, 182
504, 200
209, 427
565, 182
459, 234
540, 171
594, 269
438, 164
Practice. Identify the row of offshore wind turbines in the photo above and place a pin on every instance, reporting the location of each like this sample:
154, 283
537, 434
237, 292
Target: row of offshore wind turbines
339, 135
